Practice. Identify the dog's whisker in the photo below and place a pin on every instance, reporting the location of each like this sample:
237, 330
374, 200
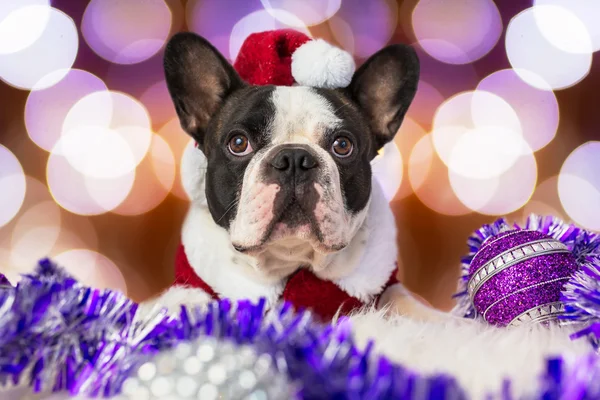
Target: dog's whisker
229, 208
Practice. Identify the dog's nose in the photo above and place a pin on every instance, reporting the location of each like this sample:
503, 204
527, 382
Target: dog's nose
293, 160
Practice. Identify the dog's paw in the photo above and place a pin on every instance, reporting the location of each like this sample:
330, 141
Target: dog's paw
172, 299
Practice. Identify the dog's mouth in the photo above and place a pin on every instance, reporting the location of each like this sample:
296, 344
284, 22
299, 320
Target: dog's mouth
294, 215
292, 222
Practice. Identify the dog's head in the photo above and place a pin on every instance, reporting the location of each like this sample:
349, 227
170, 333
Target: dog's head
288, 162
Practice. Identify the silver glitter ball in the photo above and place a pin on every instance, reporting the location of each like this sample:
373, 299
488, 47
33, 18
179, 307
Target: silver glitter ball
207, 369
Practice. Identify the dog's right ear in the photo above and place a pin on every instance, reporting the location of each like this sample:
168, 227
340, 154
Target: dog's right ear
199, 79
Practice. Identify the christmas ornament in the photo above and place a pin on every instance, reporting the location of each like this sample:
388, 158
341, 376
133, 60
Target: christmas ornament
208, 369
515, 275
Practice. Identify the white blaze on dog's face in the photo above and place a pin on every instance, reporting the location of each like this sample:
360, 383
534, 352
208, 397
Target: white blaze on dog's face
288, 162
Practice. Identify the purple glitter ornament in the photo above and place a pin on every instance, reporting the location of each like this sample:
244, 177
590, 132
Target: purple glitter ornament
517, 277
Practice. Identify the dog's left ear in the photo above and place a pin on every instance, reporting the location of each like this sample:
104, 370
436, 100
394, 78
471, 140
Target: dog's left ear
384, 86
199, 79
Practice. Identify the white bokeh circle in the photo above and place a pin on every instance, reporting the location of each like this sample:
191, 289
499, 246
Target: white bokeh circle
500, 194
528, 49
46, 109
35, 234
387, 168
586, 11
116, 114
81, 194
126, 32
536, 109
579, 185
309, 12
12, 185
92, 269
22, 22
471, 32
477, 111
54, 50
485, 152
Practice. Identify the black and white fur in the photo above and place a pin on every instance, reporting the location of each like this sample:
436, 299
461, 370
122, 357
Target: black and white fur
255, 219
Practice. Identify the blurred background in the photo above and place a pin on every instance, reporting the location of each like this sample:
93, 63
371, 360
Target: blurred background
505, 122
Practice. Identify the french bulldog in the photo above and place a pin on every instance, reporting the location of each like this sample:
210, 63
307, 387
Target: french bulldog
280, 178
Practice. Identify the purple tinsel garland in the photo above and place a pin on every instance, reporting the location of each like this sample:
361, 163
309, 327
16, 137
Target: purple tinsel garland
58, 335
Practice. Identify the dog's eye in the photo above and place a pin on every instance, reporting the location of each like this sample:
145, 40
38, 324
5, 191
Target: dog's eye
342, 147
239, 145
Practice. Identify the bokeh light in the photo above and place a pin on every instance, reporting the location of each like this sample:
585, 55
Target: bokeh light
536, 109
126, 32
178, 140
499, 194
446, 79
41, 230
22, 22
406, 138
387, 169
579, 185
96, 152
342, 32
46, 109
482, 112
92, 268
259, 21
35, 234
470, 33
211, 20
154, 179
310, 12
55, 49
545, 200
82, 194
425, 103
572, 37
37, 193
76, 232
12, 185
586, 11
429, 180
106, 117
485, 152
372, 22
157, 101
529, 49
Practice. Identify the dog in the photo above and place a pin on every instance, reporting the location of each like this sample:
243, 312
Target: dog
280, 179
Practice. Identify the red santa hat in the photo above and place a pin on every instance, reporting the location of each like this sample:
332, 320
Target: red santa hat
286, 57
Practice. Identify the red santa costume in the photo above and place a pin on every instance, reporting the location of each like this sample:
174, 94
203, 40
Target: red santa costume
286, 58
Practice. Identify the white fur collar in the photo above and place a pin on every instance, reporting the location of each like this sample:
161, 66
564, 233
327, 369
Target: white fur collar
361, 269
